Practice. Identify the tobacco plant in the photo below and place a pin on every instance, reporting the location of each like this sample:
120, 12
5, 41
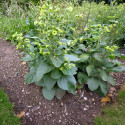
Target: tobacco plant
60, 59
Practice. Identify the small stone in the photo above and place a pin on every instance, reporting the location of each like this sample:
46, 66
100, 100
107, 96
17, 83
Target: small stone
85, 98
85, 109
27, 113
30, 119
59, 121
61, 104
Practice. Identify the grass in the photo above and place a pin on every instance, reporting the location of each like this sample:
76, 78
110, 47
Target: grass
9, 25
6, 111
113, 114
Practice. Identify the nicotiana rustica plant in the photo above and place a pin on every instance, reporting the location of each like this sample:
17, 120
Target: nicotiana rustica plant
60, 59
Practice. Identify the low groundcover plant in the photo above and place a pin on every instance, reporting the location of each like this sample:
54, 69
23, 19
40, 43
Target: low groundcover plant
62, 58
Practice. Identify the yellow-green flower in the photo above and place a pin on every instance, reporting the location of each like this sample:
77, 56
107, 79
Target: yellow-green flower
36, 22
54, 32
70, 9
86, 29
89, 20
61, 68
66, 59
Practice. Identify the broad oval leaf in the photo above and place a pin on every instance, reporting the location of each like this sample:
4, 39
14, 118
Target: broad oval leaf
104, 88
103, 74
90, 69
56, 74
49, 82
84, 57
71, 57
42, 69
40, 83
111, 80
57, 61
67, 71
27, 58
93, 83
60, 93
31, 76
116, 62
49, 94
97, 56
118, 69
82, 78
65, 82
81, 46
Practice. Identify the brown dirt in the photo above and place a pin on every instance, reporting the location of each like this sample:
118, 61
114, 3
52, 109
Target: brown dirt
71, 110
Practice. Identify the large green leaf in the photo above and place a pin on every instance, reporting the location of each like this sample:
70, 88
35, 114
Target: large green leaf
72, 88
42, 69
65, 81
116, 62
67, 71
56, 74
84, 57
90, 69
49, 82
93, 83
57, 61
40, 83
108, 64
49, 94
81, 46
82, 77
31, 76
71, 57
118, 69
60, 93
111, 80
27, 58
97, 56
104, 87
103, 74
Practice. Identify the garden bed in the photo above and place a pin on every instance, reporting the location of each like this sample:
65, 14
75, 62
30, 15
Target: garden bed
77, 110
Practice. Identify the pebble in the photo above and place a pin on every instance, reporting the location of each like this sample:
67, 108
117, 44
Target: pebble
27, 113
85, 109
85, 98
59, 121
61, 104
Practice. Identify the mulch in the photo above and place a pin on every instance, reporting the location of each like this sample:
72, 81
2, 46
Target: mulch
71, 110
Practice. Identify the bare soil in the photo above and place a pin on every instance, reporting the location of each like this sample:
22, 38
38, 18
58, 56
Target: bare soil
71, 110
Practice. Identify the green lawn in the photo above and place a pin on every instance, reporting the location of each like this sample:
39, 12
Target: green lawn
6, 111
113, 114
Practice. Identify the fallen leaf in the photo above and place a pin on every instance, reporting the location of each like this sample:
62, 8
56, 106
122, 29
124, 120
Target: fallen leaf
109, 95
21, 114
106, 99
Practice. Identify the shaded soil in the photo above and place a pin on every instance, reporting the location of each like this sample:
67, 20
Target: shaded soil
71, 110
